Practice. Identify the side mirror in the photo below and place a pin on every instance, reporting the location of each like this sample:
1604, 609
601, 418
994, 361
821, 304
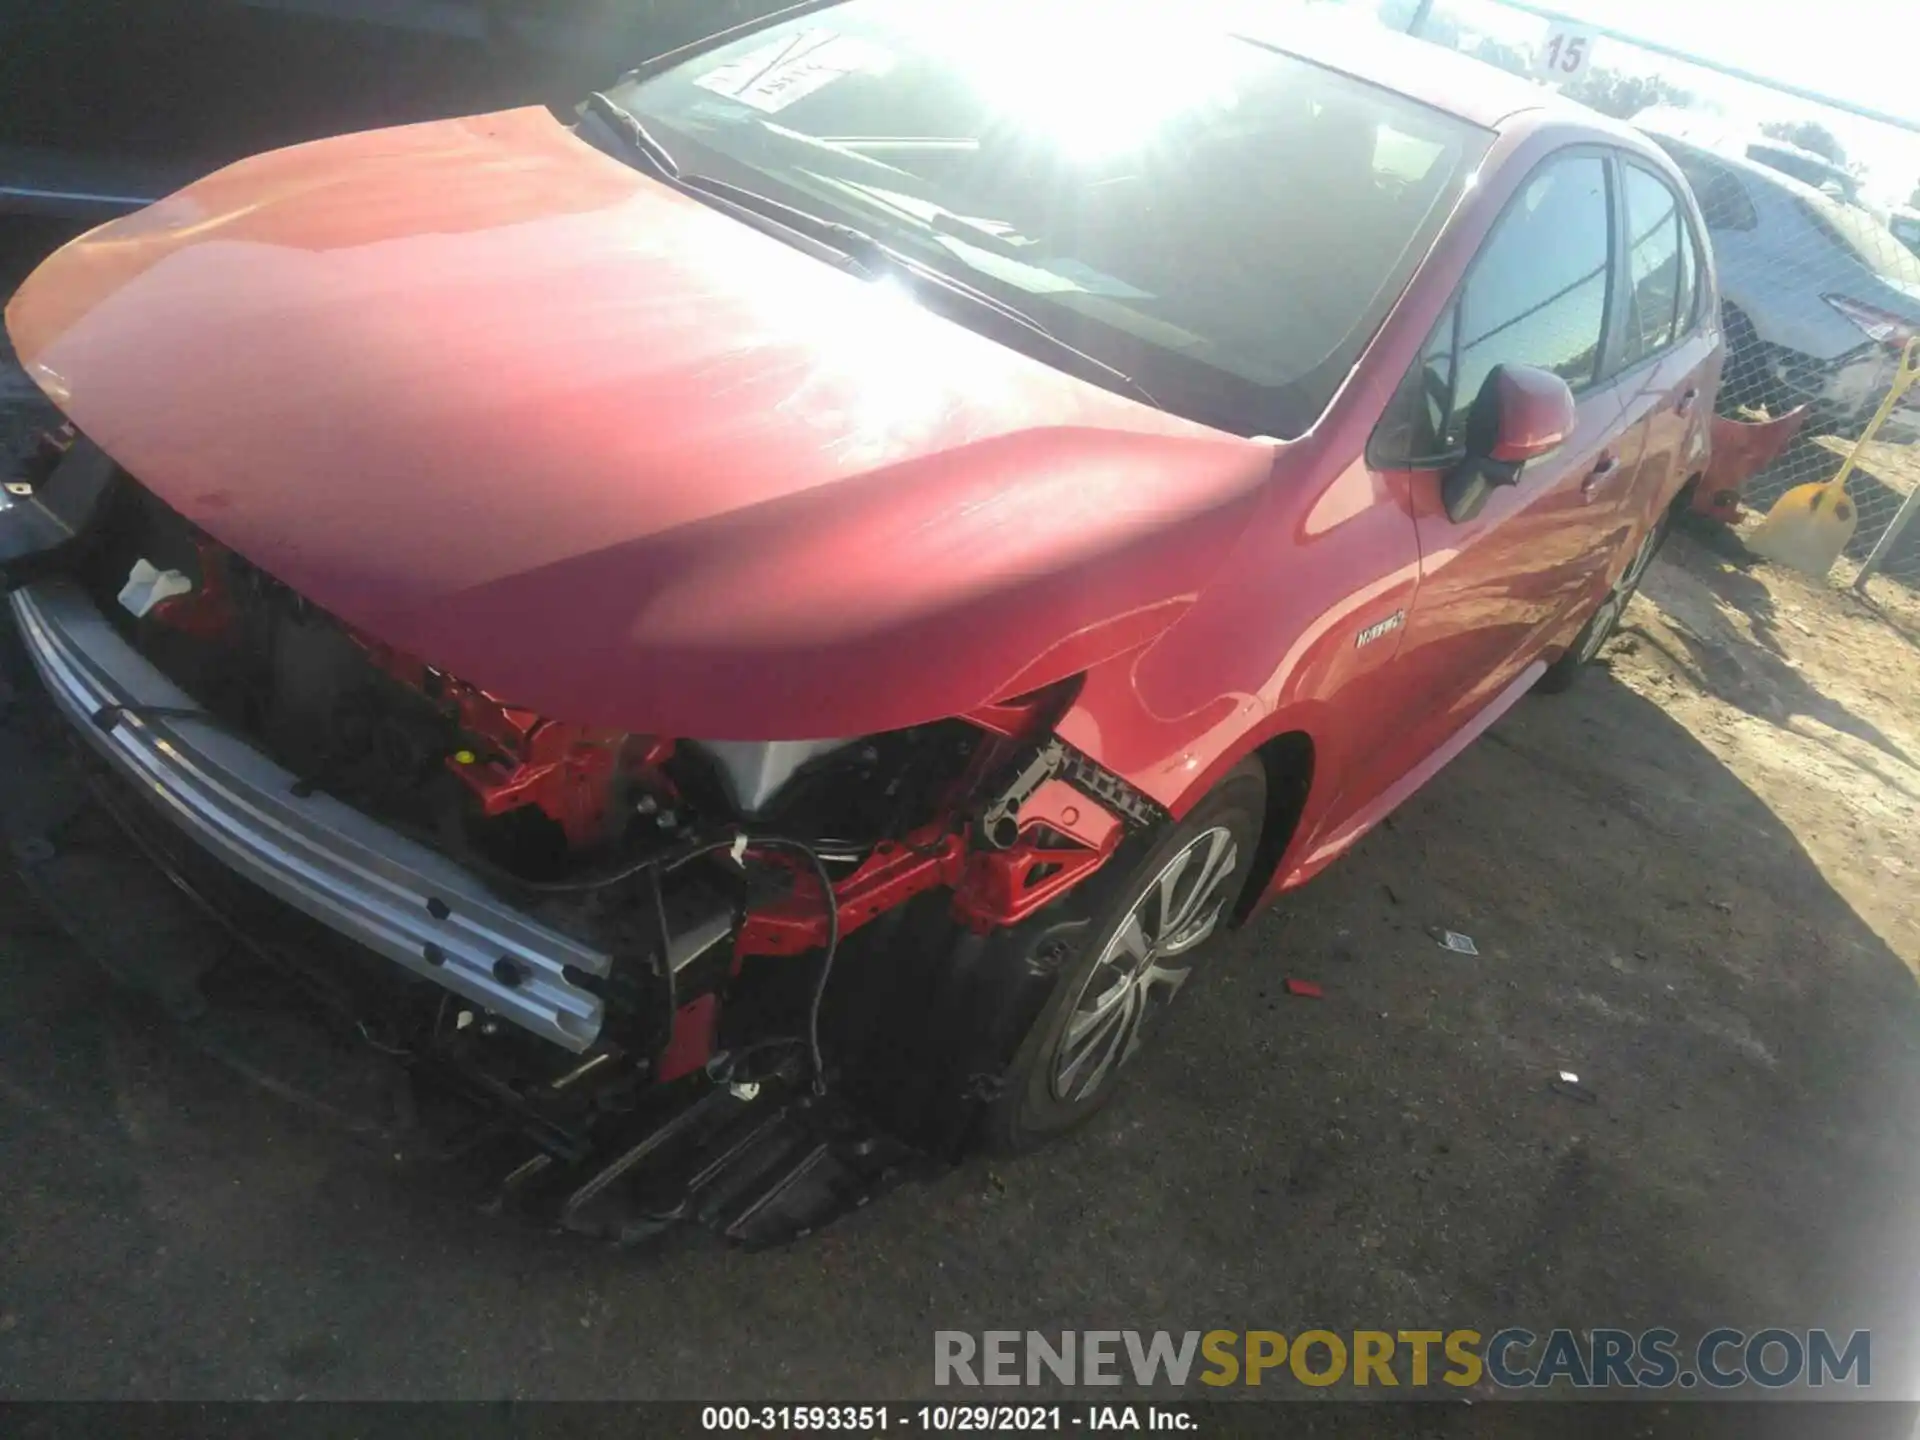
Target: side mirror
1521, 413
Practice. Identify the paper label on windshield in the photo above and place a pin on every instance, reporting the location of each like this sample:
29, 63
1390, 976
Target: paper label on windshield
775, 76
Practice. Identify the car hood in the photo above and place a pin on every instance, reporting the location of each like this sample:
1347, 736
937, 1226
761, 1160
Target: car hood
503, 402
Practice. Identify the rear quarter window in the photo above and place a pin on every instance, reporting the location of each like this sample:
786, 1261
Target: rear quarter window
1658, 306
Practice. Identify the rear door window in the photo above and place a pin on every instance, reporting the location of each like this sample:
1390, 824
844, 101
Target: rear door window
1653, 264
1687, 311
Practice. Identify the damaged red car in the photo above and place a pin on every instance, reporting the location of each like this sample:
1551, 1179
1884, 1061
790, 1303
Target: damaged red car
774, 618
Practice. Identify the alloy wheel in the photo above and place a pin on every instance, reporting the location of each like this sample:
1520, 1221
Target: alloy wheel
1133, 980
1607, 618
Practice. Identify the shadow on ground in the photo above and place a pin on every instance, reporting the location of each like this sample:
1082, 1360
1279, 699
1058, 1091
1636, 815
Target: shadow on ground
1758, 678
1899, 624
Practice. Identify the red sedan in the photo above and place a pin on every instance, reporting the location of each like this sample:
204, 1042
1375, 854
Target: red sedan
782, 611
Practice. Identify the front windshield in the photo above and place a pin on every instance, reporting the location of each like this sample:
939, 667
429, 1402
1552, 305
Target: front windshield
1226, 223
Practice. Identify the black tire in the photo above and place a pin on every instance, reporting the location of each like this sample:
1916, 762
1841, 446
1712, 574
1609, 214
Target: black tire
1035, 1103
1600, 626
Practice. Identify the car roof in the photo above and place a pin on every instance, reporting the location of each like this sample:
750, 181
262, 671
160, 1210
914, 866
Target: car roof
1432, 74
1348, 39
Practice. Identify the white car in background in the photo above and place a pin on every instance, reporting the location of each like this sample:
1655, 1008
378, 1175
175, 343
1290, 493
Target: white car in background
1817, 296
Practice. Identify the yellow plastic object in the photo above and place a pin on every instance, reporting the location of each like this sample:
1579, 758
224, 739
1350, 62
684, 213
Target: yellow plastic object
1810, 525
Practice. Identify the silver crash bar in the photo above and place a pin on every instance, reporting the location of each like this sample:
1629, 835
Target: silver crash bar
349, 872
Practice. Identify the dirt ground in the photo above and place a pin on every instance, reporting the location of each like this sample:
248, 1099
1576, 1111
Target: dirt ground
1693, 881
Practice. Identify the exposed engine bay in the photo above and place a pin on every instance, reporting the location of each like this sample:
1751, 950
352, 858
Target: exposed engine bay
764, 903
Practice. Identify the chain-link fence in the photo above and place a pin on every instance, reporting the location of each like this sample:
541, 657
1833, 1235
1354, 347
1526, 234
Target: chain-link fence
1806, 199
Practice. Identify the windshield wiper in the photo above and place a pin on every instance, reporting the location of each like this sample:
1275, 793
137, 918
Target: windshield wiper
867, 254
1111, 376
876, 259
980, 235
860, 250
626, 126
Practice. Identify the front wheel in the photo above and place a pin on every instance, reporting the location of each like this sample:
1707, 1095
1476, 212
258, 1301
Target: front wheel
1605, 619
1154, 922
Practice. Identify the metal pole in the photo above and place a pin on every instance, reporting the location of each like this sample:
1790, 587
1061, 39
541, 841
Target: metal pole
1883, 547
1673, 52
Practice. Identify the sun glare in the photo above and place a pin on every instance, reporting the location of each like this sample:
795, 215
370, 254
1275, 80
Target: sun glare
1095, 79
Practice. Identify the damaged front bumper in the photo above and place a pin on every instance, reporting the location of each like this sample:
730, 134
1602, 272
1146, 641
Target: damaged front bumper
750, 1151
353, 874
595, 1074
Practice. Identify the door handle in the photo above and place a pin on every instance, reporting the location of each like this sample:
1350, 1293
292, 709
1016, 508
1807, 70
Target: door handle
1684, 405
1606, 465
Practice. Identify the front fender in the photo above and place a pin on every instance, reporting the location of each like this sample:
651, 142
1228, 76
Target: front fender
1297, 634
